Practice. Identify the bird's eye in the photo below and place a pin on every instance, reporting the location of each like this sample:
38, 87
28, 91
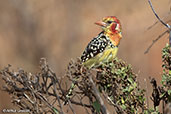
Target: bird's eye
109, 22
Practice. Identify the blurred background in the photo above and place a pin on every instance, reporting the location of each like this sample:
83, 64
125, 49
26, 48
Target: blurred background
59, 30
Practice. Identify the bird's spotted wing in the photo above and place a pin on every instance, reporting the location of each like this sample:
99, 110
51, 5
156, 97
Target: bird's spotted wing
96, 46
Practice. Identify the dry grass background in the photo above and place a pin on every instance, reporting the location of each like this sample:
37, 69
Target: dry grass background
59, 30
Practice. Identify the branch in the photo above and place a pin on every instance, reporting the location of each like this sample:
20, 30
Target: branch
158, 21
166, 25
154, 41
118, 109
100, 100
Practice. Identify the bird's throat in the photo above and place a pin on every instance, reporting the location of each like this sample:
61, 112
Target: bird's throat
114, 37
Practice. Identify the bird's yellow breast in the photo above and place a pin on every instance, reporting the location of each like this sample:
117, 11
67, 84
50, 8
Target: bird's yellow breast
106, 56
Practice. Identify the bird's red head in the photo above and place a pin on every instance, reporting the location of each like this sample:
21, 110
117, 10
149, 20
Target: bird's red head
112, 28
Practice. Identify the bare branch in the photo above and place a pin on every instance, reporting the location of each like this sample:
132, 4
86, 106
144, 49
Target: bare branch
158, 21
154, 41
43, 93
97, 94
167, 25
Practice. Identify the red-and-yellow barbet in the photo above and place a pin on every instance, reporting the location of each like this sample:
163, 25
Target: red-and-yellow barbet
103, 48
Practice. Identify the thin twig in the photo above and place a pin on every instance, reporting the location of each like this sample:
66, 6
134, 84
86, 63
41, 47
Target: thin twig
77, 103
154, 41
158, 21
28, 98
100, 100
118, 109
83, 104
166, 25
60, 105
70, 106
45, 100
55, 80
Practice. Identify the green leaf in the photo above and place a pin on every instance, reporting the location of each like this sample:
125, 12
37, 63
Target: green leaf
169, 92
169, 72
134, 84
162, 94
96, 106
130, 88
146, 112
55, 110
125, 89
123, 107
164, 78
122, 100
109, 85
130, 80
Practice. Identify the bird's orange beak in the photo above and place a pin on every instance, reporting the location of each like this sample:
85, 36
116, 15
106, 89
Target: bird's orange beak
103, 24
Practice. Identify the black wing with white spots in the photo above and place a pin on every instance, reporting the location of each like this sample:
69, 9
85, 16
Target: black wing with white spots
96, 46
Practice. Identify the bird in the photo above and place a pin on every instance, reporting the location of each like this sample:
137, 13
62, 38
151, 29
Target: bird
104, 47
